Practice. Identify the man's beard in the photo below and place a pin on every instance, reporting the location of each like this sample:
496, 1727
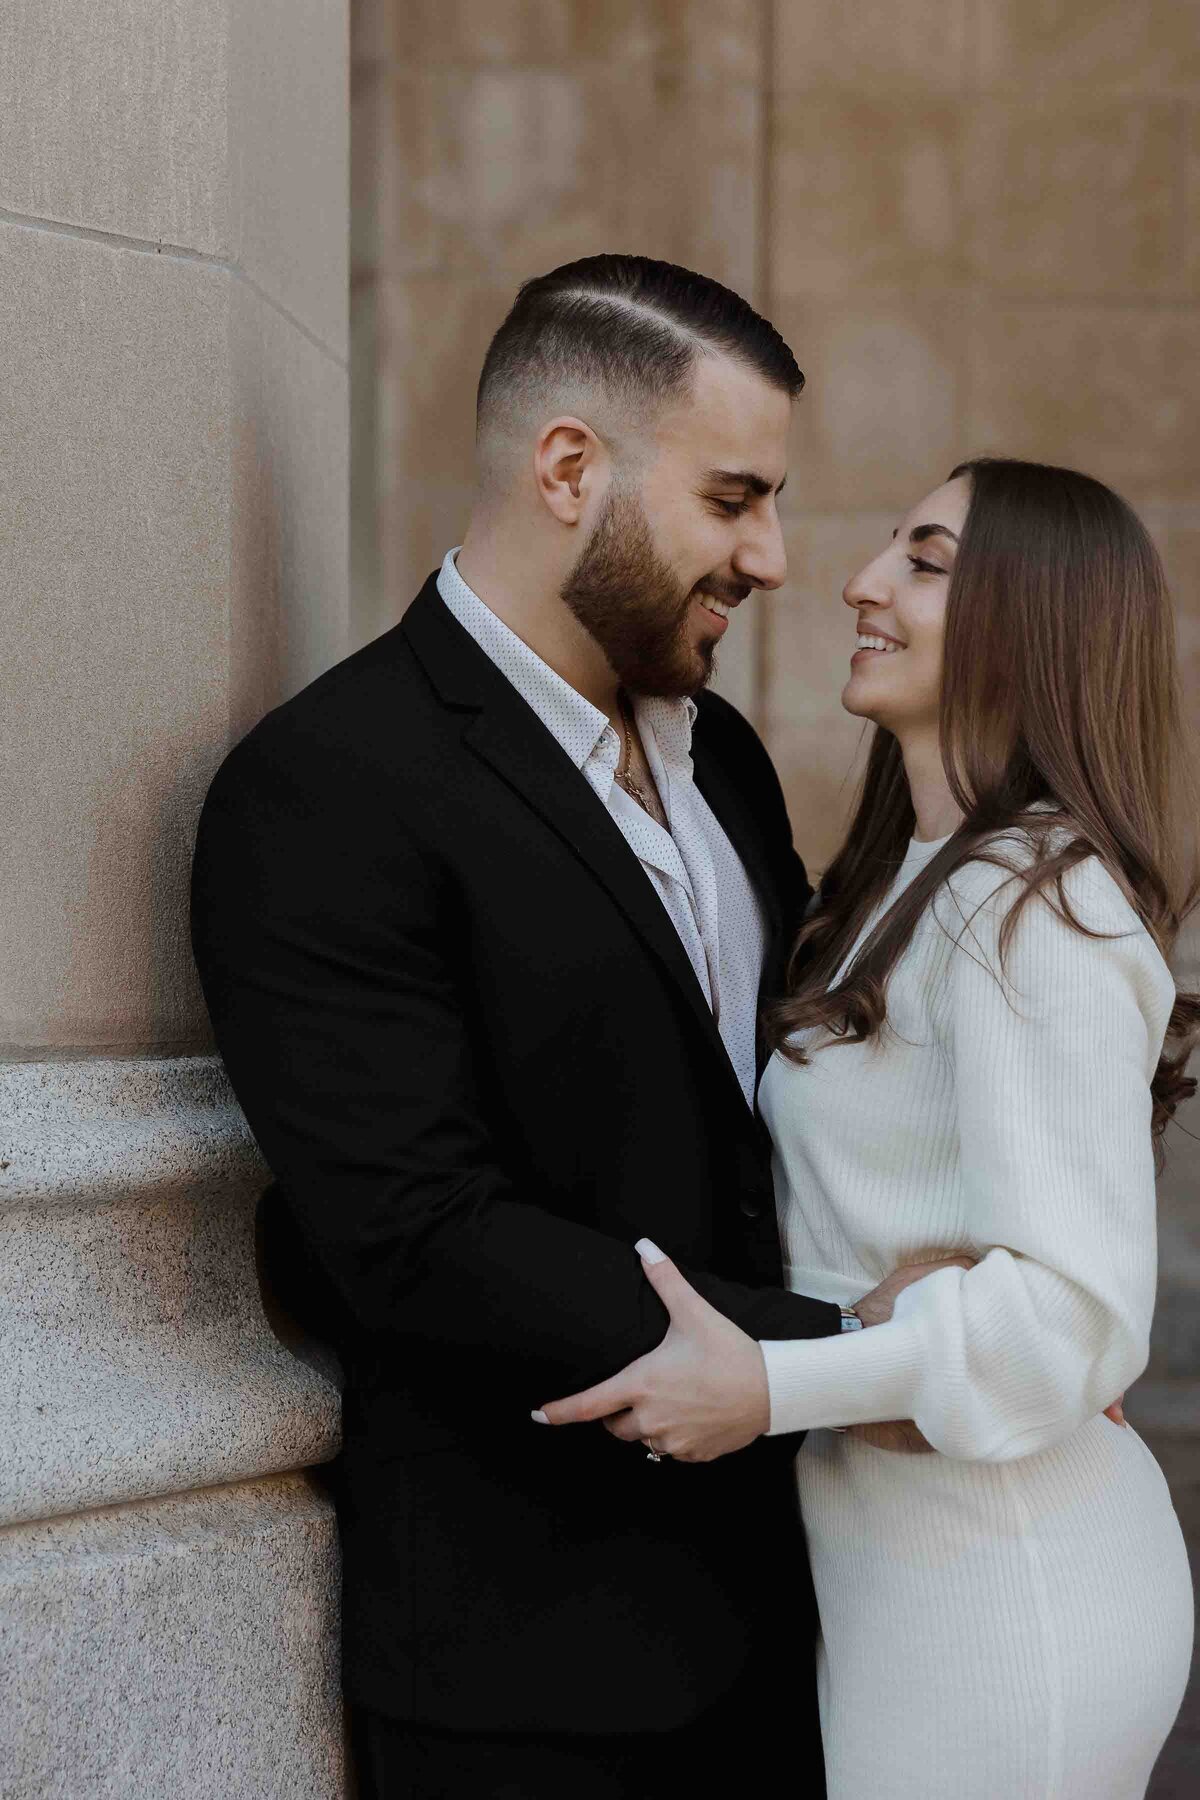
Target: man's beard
627, 597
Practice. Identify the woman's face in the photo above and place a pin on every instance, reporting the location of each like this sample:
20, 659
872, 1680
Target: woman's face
900, 600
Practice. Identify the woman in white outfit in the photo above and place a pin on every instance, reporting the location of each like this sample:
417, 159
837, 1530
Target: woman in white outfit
981, 1049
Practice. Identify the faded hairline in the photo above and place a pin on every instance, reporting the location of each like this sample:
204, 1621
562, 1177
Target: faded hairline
510, 416
491, 399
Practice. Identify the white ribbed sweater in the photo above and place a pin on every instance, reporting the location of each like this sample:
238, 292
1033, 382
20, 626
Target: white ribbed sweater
1005, 1115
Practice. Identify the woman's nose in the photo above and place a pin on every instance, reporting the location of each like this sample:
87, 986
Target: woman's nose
869, 587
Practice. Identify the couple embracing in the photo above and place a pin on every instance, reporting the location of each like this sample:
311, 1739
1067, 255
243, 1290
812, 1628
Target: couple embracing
815, 1230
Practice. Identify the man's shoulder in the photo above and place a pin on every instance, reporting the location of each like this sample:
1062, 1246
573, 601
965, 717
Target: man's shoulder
723, 734
363, 714
719, 723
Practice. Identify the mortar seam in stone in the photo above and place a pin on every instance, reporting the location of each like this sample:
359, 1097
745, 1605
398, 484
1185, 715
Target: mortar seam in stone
176, 253
314, 1508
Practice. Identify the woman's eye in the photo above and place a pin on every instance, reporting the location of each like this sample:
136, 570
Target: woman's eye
926, 568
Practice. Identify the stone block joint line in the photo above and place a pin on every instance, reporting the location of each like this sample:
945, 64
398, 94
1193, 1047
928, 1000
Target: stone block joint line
178, 253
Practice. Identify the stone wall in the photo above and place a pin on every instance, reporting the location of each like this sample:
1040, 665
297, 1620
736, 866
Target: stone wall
173, 474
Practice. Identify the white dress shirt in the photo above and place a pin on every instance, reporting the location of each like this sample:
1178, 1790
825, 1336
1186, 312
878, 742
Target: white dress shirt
693, 867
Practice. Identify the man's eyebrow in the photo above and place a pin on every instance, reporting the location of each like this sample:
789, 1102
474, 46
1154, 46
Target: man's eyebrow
743, 478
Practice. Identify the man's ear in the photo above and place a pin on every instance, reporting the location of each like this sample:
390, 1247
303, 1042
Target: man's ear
568, 459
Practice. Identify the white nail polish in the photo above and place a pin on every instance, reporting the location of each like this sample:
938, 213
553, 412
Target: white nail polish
539, 1418
649, 1252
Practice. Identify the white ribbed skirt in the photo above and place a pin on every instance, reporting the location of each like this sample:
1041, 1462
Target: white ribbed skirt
996, 1631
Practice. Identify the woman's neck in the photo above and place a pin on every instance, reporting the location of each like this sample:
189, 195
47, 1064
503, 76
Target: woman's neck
937, 811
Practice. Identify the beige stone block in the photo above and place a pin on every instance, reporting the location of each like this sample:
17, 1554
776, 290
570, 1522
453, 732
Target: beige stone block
186, 1647
1191, 201
422, 520
373, 28
289, 155
1081, 196
1081, 45
1098, 388
1181, 554
507, 173
372, 215
113, 117
289, 602
865, 195
1179, 543
1175, 1344
720, 36
177, 560
114, 513
736, 669
879, 422
365, 522
815, 744
432, 336
825, 44
139, 1356
371, 167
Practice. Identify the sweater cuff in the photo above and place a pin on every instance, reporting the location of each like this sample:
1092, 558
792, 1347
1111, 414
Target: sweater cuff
859, 1378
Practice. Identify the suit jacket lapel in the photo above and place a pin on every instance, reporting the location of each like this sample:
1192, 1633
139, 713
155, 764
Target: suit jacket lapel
731, 813
733, 816
507, 735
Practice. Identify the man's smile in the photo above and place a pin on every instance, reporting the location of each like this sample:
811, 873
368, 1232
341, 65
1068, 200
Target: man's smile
719, 606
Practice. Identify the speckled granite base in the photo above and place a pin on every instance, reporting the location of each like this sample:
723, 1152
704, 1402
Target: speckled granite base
184, 1647
137, 1357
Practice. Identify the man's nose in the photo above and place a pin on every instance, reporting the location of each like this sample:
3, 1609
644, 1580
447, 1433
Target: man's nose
761, 558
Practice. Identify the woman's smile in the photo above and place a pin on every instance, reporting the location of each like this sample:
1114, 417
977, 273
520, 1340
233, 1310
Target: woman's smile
874, 643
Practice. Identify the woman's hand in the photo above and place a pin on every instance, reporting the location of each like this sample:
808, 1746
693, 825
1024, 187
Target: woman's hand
699, 1395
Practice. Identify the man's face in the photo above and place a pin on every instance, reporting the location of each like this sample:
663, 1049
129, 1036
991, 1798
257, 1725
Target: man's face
701, 531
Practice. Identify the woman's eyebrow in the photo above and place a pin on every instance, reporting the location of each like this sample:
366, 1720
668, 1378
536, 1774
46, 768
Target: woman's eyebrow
919, 533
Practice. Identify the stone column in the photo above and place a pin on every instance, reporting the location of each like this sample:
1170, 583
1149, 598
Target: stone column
173, 472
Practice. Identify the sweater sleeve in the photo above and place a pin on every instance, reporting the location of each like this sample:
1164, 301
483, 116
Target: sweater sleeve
1052, 1057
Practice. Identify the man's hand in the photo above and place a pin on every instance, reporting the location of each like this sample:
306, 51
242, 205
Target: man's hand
875, 1308
903, 1436
897, 1434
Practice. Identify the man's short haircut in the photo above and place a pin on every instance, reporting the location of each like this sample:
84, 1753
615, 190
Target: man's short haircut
627, 326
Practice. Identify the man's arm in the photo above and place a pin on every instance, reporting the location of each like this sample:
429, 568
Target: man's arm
335, 995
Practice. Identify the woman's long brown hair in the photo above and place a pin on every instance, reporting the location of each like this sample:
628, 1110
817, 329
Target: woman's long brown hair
1059, 690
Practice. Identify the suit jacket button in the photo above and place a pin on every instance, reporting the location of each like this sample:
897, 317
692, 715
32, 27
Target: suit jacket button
749, 1207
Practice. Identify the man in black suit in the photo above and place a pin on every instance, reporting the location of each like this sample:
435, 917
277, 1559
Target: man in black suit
483, 917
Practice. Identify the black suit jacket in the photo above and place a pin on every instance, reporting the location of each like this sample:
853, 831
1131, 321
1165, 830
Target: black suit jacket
472, 1048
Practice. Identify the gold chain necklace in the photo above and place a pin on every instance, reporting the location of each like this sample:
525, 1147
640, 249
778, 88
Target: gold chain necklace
648, 803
